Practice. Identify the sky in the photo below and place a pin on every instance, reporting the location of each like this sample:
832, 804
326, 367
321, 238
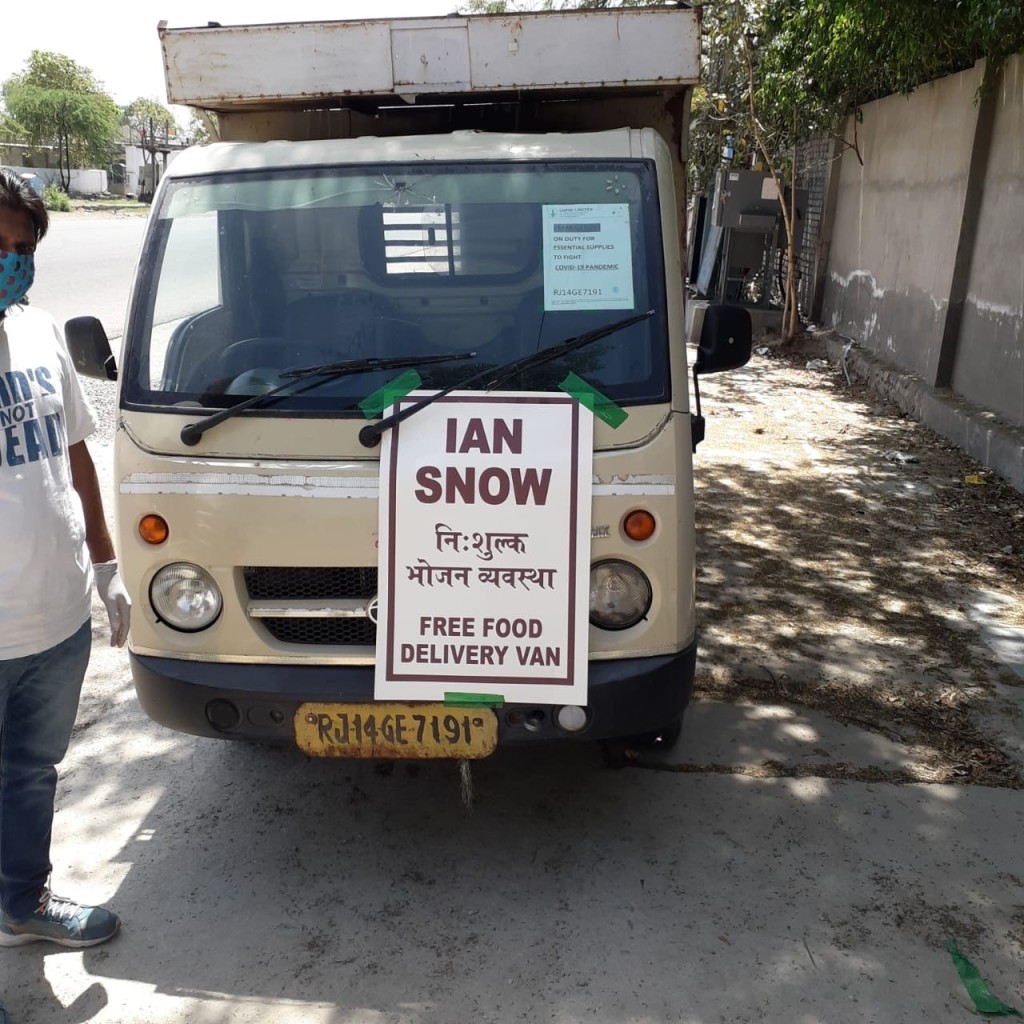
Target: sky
120, 46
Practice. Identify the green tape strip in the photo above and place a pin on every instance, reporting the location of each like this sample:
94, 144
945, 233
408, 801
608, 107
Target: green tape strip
474, 700
600, 405
977, 988
382, 398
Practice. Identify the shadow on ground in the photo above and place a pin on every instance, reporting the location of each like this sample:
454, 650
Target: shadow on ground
258, 885
839, 547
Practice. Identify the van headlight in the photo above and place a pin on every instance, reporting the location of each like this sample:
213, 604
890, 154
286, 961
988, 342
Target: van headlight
620, 594
185, 597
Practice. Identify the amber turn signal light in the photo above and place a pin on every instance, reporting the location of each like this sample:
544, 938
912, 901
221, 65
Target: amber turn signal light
153, 529
638, 525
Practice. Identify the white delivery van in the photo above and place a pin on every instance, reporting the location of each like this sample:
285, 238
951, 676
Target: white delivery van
404, 450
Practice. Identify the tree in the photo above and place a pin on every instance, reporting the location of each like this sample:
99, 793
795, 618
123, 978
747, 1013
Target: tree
853, 51
203, 127
150, 125
59, 103
806, 65
10, 130
717, 112
523, 6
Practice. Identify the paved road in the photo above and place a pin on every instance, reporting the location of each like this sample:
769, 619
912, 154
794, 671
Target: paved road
84, 267
739, 880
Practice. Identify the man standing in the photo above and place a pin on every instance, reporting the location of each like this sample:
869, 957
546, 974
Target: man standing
53, 544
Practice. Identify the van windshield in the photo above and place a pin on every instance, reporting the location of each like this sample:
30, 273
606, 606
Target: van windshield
249, 275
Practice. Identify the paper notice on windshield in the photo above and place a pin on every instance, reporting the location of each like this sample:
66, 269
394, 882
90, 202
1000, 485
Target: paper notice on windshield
588, 257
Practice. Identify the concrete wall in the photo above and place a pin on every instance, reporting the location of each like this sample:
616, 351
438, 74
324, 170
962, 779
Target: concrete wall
897, 221
83, 181
988, 366
16, 154
926, 261
88, 181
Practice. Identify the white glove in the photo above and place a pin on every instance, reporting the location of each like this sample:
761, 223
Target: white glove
113, 594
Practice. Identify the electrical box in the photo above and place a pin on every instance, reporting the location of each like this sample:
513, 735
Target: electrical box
742, 254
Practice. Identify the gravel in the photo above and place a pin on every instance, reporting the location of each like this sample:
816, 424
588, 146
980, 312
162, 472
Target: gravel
102, 394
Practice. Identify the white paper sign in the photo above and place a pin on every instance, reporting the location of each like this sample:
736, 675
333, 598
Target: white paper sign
588, 257
485, 549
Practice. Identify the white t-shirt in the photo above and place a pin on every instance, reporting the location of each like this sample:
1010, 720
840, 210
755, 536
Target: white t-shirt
45, 570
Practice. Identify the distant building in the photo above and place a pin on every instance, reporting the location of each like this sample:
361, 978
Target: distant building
147, 155
42, 162
144, 163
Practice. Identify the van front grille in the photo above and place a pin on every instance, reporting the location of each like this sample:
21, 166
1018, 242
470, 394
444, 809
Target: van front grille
315, 583
333, 632
297, 583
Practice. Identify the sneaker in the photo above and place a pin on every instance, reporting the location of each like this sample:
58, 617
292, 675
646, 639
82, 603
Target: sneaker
62, 921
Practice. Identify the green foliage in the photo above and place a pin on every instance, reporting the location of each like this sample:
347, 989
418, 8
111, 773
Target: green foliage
10, 130
718, 107
490, 7
812, 62
823, 58
525, 6
59, 103
148, 122
150, 125
55, 198
203, 127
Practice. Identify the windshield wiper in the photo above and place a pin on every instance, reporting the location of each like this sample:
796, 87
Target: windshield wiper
370, 435
191, 433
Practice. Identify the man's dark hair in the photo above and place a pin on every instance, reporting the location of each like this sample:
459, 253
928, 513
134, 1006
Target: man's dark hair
18, 194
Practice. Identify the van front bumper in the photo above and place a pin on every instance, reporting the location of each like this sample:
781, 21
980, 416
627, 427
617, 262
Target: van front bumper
258, 702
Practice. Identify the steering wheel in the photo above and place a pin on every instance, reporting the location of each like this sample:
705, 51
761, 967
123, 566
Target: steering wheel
269, 351
394, 336
256, 381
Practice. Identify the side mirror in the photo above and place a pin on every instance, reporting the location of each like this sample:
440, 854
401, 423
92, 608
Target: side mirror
89, 348
725, 339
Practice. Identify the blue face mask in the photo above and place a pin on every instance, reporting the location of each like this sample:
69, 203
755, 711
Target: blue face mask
16, 275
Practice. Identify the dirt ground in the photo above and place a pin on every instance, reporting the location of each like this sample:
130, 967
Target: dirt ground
854, 562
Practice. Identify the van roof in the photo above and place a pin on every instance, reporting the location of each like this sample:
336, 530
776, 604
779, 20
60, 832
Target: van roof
225, 157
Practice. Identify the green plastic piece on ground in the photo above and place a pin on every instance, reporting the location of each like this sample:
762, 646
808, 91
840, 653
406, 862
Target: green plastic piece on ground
382, 398
474, 700
977, 988
600, 405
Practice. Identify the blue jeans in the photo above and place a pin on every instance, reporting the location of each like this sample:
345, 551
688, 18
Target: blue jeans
38, 703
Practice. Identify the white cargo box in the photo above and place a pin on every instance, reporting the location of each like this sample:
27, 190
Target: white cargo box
328, 63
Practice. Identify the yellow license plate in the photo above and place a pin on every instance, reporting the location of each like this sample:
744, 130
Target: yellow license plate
395, 730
